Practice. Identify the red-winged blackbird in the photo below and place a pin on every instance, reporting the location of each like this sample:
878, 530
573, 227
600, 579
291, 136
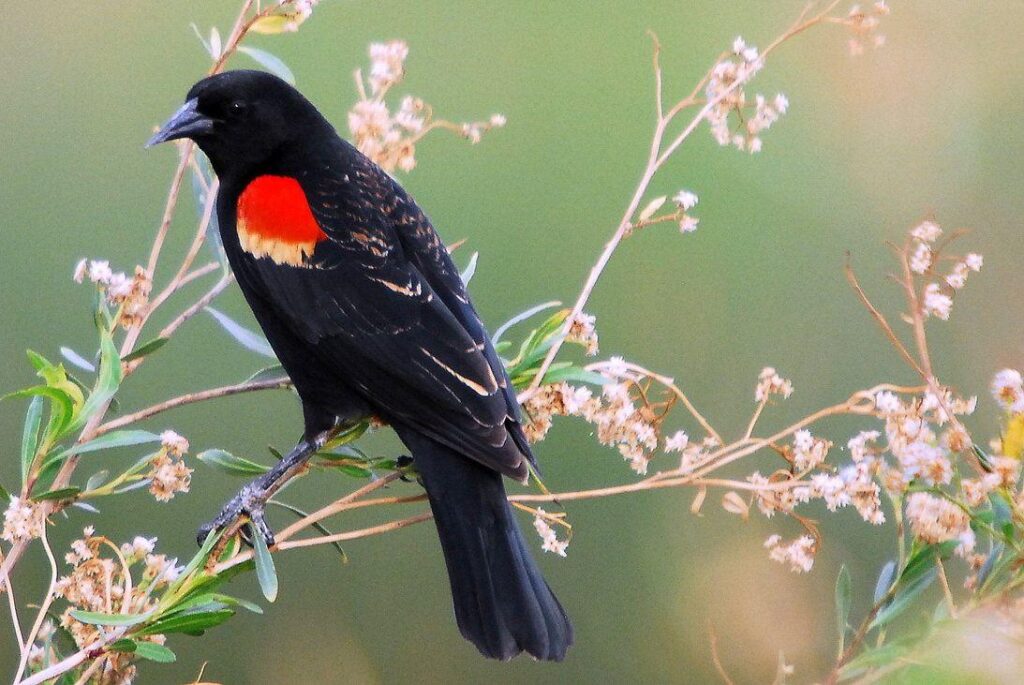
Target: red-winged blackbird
369, 316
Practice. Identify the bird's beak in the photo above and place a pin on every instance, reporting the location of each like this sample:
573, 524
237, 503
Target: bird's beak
187, 122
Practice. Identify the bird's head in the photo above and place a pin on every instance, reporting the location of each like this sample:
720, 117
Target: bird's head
240, 119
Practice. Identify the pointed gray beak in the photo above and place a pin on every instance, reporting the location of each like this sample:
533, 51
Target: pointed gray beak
187, 122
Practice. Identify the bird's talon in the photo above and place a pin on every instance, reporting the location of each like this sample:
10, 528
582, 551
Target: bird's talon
247, 506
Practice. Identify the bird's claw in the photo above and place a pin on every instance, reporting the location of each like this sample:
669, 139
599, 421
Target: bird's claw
248, 504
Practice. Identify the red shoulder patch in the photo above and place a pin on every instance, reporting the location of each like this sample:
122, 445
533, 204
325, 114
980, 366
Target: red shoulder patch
274, 220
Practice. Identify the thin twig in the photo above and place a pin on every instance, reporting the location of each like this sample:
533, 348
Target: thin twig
191, 398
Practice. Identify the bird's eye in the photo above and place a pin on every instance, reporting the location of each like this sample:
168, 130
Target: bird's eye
238, 107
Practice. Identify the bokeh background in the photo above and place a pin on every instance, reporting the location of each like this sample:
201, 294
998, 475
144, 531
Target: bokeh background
931, 124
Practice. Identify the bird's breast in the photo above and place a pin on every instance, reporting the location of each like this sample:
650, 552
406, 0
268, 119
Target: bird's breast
274, 220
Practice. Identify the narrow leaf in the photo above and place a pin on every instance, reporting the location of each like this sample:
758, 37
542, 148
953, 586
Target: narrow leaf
266, 574
30, 436
101, 619
123, 645
271, 62
904, 598
114, 439
77, 360
145, 348
842, 599
246, 338
520, 317
229, 463
188, 622
154, 652
652, 206
884, 581
60, 493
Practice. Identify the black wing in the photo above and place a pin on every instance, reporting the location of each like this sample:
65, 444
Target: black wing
384, 307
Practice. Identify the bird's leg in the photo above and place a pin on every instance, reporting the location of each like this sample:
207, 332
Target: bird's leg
252, 499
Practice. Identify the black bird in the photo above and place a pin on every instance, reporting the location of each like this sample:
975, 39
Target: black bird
367, 313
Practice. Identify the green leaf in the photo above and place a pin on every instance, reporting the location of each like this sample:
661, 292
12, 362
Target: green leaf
107, 382
266, 574
350, 434
145, 349
270, 373
154, 652
246, 338
573, 373
842, 599
519, 318
114, 439
198, 560
273, 63
37, 360
884, 581
62, 407
188, 622
904, 597
229, 463
282, 22
352, 470
96, 479
59, 494
101, 619
123, 645
30, 436
5, 496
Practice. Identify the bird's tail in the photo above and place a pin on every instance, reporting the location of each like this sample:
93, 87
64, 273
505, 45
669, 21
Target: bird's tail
503, 605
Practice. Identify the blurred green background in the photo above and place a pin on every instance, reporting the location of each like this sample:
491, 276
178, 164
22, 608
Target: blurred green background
928, 125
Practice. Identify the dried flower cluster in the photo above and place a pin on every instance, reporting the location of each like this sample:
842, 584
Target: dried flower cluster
23, 520
549, 539
863, 23
937, 300
726, 89
623, 414
168, 474
390, 139
130, 295
582, 331
100, 580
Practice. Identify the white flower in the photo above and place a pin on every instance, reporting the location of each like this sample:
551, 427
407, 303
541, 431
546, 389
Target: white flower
498, 120
1008, 389
685, 199
23, 520
974, 261
677, 442
888, 403
926, 232
688, 224
921, 260
771, 383
937, 303
799, 554
173, 443
550, 543
81, 269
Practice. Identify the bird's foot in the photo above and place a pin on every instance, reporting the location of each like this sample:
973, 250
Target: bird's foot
249, 503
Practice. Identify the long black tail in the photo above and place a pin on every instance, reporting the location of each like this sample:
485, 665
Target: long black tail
503, 605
